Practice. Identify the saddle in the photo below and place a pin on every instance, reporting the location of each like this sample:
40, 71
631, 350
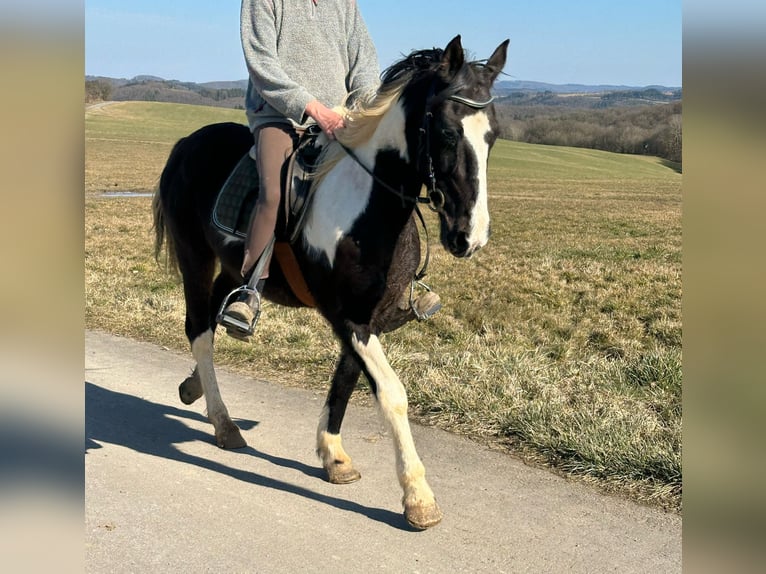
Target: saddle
239, 194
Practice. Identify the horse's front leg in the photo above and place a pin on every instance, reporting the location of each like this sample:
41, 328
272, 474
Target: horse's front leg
330, 450
420, 508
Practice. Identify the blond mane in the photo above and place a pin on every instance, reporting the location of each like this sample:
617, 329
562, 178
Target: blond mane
362, 119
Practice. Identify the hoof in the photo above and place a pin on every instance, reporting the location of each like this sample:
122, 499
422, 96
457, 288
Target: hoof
342, 474
191, 389
422, 516
229, 437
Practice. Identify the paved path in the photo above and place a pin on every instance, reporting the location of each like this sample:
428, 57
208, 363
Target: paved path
97, 105
161, 497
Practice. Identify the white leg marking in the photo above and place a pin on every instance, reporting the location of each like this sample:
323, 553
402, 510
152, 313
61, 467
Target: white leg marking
476, 127
392, 400
330, 451
202, 350
329, 446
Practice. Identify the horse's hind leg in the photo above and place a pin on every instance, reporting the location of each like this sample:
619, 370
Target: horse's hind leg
227, 434
191, 389
200, 331
330, 450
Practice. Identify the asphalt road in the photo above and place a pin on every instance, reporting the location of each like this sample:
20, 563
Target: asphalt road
161, 497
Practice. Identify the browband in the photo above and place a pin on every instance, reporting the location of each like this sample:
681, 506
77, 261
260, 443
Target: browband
471, 103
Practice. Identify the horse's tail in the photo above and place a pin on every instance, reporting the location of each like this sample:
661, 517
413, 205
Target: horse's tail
162, 235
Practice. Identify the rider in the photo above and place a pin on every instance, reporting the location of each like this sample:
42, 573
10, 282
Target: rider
302, 57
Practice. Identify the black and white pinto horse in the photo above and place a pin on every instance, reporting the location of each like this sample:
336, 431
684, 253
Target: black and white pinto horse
431, 123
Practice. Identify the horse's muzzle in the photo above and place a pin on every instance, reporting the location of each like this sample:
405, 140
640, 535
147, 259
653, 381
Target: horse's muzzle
458, 245
463, 244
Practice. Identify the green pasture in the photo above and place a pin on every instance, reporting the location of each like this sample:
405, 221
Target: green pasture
560, 341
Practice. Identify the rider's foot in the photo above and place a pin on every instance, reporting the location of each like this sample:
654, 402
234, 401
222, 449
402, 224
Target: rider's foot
239, 318
426, 305
242, 313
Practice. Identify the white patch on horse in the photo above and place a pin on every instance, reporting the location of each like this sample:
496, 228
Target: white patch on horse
390, 132
340, 199
476, 127
343, 195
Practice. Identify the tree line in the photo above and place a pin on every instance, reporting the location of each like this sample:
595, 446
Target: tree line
98, 91
609, 122
645, 130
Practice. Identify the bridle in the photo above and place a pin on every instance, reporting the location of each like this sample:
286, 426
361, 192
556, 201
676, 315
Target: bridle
435, 197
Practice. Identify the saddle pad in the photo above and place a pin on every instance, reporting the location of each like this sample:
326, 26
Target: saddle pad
231, 214
237, 198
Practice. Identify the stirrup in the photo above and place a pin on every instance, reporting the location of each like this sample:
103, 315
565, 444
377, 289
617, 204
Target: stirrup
426, 313
235, 327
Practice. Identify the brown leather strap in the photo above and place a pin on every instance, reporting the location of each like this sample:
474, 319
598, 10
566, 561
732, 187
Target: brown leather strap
289, 265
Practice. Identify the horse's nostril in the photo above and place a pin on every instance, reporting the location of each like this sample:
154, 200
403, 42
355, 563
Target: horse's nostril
458, 243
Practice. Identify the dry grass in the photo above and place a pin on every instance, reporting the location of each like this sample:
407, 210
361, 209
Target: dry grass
560, 340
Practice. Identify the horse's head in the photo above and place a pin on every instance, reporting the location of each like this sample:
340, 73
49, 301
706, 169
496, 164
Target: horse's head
456, 136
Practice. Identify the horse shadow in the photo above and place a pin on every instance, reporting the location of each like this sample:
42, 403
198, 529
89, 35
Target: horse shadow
155, 429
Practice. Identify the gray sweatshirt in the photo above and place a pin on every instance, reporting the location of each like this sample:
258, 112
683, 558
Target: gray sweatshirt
298, 50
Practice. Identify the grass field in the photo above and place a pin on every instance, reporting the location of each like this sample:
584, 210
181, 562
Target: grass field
561, 340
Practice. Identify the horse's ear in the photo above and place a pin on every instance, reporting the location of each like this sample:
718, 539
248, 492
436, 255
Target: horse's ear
496, 61
453, 59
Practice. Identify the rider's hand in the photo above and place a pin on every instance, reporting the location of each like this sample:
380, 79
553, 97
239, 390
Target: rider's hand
327, 119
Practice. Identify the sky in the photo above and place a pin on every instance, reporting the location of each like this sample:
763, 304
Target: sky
634, 43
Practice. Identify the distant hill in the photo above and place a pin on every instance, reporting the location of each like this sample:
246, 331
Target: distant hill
227, 94
507, 86
231, 94
520, 93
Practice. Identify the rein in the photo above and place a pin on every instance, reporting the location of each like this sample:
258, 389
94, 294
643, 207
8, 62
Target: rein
397, 192
405, 198
435, 197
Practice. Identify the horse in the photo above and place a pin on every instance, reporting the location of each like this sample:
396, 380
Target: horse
430, 125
